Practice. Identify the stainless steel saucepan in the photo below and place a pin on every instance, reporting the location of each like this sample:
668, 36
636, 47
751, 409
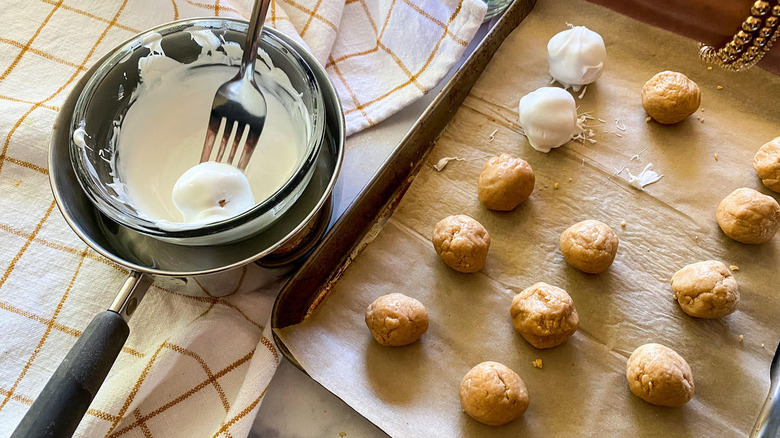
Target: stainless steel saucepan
64, 400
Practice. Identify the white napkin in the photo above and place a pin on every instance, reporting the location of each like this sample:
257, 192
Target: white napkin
193, 366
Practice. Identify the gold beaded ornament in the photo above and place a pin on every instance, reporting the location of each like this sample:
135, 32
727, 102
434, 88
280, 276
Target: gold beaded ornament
758, 34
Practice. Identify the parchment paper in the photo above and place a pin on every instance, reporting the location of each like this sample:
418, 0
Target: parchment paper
581, 389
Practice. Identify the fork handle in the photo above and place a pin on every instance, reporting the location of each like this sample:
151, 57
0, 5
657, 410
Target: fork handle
259, 11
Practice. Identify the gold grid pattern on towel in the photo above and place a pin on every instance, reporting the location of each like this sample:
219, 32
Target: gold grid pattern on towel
7, 395
332, 65
29, 170
412, 77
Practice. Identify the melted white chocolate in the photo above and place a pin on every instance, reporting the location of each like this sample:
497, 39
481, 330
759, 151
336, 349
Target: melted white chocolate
161, 136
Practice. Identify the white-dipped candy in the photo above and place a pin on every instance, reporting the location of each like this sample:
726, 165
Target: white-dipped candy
211, 191
548, 117
576, 57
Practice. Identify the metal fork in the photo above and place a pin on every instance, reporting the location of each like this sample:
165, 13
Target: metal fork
239, 101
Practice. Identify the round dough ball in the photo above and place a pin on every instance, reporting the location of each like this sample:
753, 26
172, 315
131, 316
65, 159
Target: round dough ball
493, 394
462, 243
396, 320
505, 182
669, 97
544, 315
767, 164
747, 216
589, 246
706, 289
660, 376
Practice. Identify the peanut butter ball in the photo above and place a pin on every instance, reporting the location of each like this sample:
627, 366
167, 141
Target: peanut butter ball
706, 289
396, 320
767, 164
505, 182
589, 246
493, 394
544, 315
669, 97
660, 376
747, 216
462, 243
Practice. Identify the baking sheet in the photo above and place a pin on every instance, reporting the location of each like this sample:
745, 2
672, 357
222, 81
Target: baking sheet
581, 389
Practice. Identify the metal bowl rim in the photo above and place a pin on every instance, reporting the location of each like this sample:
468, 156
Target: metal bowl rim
147, 227
339, 142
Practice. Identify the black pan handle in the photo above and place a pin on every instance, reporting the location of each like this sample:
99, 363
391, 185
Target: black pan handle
64, 400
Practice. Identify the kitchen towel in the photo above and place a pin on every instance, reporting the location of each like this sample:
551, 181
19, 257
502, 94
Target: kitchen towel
199, 359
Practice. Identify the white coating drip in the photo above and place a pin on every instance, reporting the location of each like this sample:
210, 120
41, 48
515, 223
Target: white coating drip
205, 38
80, 135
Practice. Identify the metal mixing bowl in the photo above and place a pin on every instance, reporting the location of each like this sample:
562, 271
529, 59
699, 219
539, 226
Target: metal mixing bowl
109, 93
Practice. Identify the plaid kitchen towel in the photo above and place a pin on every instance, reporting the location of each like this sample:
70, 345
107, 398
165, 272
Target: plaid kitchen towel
199, 358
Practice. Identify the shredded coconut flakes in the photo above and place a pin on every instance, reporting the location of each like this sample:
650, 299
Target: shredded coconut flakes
636, 157
646, 177
585, 134
441, 164
584, 89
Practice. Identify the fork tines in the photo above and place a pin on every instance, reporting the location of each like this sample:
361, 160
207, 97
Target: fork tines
240, 133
